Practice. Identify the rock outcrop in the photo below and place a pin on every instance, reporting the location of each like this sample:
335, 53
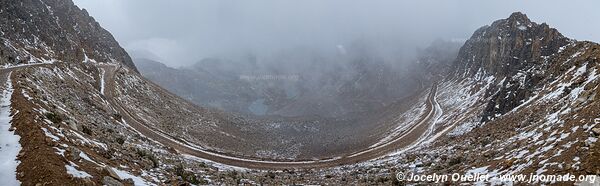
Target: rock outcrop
520, 56
507, 47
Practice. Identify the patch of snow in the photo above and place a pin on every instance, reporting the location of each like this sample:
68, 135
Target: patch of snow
591, 140
136, 180
574, 55
86, 59
592, 76
86, 157
563, 136
60, 151
545, 149
214, 164
102, 81
26, 95
462, 129
525, 135
76, 173
574, 128
521, 154
524, 103
557, 92
50, 135
88, 141
581, 70
575, 93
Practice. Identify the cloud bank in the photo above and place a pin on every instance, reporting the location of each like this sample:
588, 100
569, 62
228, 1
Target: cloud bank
181, 32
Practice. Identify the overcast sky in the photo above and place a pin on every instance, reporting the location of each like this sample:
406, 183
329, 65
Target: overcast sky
180, 32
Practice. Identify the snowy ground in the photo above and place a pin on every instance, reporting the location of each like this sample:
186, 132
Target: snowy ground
9, 141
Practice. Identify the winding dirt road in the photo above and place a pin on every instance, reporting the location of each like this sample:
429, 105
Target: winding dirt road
403, 141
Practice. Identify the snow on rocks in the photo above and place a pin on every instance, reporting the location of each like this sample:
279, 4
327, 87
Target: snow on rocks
50, 135
138, 181
86, 59
462, 129
60, 151
86, 157
102, 72
72, 170
220, 166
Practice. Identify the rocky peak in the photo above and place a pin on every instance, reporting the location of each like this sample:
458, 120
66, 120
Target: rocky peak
506, 47
33, 31
515, 53
518, 18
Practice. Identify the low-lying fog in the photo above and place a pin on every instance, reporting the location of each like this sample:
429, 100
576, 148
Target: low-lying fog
299, 58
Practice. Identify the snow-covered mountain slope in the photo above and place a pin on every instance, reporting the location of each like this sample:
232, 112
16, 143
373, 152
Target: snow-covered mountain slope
36, 31
521, 98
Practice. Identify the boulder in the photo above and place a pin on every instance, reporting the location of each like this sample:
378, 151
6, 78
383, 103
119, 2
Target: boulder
110, 181
74, 153
111, 173
129, 181
596, 131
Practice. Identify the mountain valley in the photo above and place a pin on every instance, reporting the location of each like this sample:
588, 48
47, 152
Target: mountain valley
517, 97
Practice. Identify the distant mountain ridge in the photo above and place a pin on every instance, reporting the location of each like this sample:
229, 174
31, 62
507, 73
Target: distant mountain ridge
359, 83
200, 86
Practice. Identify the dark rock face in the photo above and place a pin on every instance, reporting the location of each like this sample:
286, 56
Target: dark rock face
517, 52
45, 30
507, 46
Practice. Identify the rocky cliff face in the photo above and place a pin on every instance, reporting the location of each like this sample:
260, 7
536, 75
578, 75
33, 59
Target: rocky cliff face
34, 31
517, 52
521, 99
508, 46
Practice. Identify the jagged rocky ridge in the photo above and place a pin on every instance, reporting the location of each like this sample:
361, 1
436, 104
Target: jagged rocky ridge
34, 31
514, 48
